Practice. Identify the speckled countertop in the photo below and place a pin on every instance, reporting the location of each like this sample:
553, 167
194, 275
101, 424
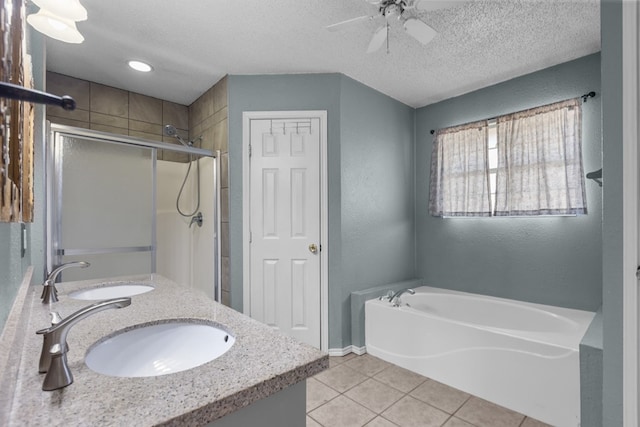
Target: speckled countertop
260, 363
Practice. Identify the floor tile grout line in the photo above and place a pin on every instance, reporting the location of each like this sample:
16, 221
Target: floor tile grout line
404, 394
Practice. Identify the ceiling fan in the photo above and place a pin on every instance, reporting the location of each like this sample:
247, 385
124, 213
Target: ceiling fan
404, 10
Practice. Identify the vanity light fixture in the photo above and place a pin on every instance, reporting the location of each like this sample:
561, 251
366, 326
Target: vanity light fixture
57, 19
140, 66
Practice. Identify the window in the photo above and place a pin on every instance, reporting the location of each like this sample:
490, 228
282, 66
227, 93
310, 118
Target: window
522, 164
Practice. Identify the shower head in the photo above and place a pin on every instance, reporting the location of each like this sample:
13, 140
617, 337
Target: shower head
170, 130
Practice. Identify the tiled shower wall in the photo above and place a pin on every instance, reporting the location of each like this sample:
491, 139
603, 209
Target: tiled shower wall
108, 109
208, 118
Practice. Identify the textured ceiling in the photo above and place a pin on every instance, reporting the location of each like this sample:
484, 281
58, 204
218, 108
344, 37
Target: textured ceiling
192, 44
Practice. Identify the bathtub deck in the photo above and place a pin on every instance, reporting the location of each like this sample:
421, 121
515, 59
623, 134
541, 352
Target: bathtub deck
365, 390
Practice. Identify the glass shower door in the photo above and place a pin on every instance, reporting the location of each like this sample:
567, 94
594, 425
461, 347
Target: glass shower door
103, 194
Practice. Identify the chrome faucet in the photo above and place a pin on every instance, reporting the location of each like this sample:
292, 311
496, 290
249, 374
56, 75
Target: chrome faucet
395, 298
53, 358
49, 291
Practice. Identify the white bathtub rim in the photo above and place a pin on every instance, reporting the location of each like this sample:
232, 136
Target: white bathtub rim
581, 318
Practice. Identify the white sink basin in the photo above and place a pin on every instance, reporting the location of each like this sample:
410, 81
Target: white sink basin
115, 290
150, 350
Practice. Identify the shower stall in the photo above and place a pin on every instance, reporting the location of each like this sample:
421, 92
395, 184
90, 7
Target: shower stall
112, 203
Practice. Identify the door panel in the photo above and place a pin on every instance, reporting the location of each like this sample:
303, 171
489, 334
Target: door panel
284, 223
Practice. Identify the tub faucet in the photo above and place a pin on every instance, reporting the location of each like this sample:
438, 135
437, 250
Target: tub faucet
53, 358
395, 298
49, 291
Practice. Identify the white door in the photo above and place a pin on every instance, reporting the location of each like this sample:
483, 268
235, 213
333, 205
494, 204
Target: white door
285, 225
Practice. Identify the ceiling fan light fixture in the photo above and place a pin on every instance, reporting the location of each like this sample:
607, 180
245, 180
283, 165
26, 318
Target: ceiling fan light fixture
378, 39
56, 27
68, 9
419, 30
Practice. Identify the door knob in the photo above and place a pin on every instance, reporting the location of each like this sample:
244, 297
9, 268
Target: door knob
313, 248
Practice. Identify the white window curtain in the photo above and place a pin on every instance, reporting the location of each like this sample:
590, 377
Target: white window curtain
459, 183
540, 161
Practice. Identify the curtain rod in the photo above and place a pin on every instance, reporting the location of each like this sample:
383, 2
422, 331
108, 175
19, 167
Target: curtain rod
584, 97
12, 91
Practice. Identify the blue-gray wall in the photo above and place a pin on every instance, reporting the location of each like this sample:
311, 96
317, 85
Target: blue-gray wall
556, 261
611, 32
370, 170
377, 173
12, 266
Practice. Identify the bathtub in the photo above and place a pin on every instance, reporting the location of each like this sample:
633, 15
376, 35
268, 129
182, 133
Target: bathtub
520, 355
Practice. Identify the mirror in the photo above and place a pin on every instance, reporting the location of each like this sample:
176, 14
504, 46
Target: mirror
16, 120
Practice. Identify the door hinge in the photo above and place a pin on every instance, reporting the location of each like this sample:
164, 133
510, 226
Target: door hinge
249, 150
250, 237
638, 272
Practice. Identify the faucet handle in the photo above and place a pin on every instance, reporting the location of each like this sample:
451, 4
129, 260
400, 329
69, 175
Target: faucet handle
55, 318
59, 375
48, 344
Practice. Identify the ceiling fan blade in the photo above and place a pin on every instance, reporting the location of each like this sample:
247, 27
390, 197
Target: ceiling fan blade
378, 39
419, 30
437, 4
348, 22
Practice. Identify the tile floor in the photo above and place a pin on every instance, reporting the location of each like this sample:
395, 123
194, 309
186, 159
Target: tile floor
366, 391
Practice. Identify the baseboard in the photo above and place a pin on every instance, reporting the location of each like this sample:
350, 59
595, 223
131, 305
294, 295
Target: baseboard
348, 349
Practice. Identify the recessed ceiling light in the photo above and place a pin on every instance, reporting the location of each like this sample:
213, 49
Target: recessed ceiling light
140, 66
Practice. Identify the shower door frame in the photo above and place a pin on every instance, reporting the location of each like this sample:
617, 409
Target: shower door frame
53, 225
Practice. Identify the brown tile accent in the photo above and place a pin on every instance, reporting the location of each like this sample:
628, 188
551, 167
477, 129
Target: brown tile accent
225, 263
207, 139
175, 114
79, 90
145, 108
224, 170
220, 136
220, 115
107, 120
111, 129
68, 122
224, 204
145, 135
146, 127
224, 239
77, 114
220, 95
109, 100
226, 298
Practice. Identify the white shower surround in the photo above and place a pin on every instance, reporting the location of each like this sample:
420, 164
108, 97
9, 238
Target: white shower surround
520, 355
186, 255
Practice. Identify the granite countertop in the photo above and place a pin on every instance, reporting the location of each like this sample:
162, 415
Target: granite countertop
260, 363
